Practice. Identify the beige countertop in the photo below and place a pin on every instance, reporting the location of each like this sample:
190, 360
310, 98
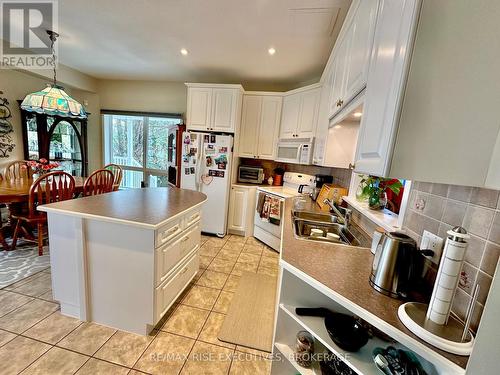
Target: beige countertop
346, 270
148, 207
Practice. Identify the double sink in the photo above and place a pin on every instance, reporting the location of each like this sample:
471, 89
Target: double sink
305, 221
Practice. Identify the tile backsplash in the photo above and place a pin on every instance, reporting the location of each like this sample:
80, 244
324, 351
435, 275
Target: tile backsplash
341, 176
438, 208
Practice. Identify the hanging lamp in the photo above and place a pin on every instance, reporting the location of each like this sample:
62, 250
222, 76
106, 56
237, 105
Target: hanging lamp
53, 100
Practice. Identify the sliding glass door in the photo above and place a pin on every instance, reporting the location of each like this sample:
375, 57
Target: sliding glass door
139, 144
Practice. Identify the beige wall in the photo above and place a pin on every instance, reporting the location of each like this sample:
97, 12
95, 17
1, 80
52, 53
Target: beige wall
146, 96
16, 85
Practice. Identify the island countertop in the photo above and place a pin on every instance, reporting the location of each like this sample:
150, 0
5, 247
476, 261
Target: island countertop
147, 207
345, 270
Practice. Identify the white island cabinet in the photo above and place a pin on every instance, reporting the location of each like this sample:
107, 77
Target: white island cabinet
121, 259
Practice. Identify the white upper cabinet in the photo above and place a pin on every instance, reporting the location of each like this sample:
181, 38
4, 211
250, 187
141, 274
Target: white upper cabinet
260, 122
386, 78
300, 112
269, 127
352, 54
213, 107
290, 116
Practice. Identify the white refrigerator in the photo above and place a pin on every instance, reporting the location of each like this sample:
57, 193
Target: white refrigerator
206, 167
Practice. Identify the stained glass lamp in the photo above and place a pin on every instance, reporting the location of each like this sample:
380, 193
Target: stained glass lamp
54, 101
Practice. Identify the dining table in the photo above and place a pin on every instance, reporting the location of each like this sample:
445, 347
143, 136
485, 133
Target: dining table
17, 191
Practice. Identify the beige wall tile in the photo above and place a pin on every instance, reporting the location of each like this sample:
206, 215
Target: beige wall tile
484, 282
490, 259
57, 361
478, 220
495, 229
461, 193
124, 348
434, 206
87, 338
454, 212
475, 250
440, 189
467, 278
19, 354
53, 328
484, 197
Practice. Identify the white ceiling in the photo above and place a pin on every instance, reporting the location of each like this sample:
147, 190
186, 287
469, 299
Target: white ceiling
227, 40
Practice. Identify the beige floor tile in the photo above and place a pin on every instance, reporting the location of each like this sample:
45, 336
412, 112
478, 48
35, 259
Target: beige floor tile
47, 296
216, 241
5, 337
201, 297
223, 302
209, 250
27, 315
53, 328
241, 267
212, 279
24, 281
268, 271
235, 238
254, 241
36, 287
166, 354
56, 361
234, 246
270, 253
124, 348
252, 249
211, 330
19, 354
245, 364
249, 258
269, 262
186, 321
222, 265
251, 351
87, 338
228, 254
205, 261
232, 283
10, 301
97, 367
196, 277
207, 359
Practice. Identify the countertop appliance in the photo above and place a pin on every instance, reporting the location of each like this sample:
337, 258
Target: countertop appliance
295, 151
174, 154
252, 175
267, 231
392, 265
206, 167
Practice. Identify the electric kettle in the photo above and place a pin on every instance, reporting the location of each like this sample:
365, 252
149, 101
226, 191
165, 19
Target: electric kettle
394, 264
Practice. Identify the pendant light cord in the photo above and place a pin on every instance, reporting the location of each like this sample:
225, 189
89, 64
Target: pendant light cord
53, 37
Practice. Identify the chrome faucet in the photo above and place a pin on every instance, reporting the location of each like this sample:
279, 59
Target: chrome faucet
344, 218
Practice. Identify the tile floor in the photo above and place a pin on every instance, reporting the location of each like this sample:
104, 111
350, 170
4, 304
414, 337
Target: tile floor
36, 339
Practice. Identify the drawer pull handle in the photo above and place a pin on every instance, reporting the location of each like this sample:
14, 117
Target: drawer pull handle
185, 239
183, 271
193, 218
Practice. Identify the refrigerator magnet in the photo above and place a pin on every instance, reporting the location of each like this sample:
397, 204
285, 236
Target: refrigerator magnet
191, 169
207, 178
187, 171
206, 138
209, 161
222, 150
193, 137
187, 139
212, 138
193, 151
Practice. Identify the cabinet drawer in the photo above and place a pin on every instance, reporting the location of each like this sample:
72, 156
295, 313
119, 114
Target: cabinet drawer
191, 218
167, 292
168, 232
173, 252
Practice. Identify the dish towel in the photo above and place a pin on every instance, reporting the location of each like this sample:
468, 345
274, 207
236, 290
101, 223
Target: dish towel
260, 202
275, 211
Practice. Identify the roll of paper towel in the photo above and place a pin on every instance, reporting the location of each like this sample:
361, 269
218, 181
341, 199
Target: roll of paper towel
448, 276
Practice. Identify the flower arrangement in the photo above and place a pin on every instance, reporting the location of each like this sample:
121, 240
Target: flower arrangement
41, 166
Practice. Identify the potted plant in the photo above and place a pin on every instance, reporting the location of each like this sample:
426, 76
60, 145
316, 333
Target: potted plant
373, 189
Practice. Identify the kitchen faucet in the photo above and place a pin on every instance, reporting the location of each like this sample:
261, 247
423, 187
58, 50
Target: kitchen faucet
345, 218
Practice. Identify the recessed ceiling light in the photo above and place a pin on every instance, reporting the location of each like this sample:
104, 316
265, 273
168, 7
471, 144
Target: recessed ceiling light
357, 114
184, 51
271, 51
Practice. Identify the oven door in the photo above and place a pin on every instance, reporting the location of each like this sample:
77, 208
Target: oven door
289, 152
273, 229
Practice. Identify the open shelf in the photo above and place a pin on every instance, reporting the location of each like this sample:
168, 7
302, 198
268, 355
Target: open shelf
288, 354
360, 361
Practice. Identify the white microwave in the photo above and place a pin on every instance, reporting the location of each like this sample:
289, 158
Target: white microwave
295, 151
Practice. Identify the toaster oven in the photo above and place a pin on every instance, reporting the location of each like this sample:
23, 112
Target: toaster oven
252, 175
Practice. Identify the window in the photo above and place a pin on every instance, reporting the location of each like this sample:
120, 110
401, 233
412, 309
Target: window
139, 144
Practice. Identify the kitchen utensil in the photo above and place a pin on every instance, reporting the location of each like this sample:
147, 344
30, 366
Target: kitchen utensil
333, 365
396, 265
344, 330
331, 192
392, 361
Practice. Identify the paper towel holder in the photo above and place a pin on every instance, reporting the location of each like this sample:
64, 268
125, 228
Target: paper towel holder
453, 336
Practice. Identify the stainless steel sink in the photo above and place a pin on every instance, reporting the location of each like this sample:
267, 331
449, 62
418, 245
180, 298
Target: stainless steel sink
304, 222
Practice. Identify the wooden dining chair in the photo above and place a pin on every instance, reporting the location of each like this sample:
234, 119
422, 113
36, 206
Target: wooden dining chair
51, 187
99, 182
117, 172
17, 170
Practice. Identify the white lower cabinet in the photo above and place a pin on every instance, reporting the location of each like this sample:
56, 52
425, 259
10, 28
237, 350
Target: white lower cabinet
241, 210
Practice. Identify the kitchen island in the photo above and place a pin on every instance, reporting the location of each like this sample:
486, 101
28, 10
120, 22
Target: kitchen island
121, 259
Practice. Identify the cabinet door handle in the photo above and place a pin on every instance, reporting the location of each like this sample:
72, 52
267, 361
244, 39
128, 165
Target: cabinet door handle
352, 166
